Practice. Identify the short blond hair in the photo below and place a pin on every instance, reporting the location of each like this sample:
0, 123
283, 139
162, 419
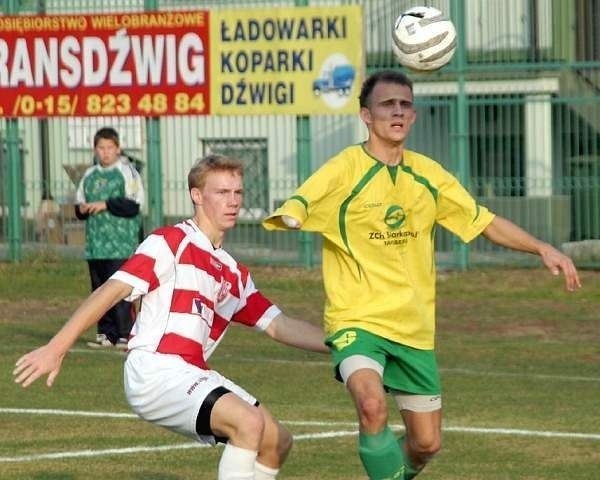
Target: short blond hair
213, 162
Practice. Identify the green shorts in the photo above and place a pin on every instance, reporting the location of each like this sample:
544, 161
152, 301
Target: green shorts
405, 369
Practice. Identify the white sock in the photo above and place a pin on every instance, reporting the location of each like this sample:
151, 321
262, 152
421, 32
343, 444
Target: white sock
237, 463
262, 472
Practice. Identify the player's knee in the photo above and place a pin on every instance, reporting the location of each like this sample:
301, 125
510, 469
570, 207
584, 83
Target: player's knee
372, 413
284, 442
279, 440
425, 447
250, 431
276, 445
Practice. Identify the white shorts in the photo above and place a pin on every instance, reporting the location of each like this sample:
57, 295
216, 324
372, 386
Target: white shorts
168, 391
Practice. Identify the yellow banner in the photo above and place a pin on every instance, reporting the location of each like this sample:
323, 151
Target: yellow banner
296, 60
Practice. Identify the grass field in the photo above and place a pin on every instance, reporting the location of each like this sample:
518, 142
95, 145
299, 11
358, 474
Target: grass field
520, 361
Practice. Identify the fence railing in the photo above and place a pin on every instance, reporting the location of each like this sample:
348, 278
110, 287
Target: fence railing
530, 135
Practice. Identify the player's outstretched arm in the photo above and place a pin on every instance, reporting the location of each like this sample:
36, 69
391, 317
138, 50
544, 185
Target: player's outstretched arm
503, 232
48, 359
297, 333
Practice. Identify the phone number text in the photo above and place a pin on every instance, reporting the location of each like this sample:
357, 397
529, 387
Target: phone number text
114, 104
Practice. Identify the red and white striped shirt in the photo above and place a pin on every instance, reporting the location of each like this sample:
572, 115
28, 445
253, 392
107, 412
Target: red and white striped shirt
191, 292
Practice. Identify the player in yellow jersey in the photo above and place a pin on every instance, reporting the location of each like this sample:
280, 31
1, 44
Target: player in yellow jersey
376, 205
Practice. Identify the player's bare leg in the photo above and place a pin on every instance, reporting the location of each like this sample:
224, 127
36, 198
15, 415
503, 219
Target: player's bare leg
423, 437
274, 448
379, 450
366, 390
243, 424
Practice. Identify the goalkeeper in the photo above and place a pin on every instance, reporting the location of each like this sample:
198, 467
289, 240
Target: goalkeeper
376, 205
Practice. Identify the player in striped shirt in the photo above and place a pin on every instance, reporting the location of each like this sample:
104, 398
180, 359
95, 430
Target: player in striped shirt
191, 291
376, 205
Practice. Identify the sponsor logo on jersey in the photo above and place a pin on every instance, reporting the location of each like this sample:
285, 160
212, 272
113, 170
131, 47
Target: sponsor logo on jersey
372, 204
204, 311
223, 290
394, 217
194, 385
347, 338
99, 186
215, 264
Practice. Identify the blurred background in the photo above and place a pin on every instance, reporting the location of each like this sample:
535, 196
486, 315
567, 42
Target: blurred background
515, 116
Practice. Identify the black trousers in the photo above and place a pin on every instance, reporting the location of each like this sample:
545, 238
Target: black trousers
117, 322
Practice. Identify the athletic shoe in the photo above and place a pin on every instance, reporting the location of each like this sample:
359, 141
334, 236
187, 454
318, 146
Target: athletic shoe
121, 344
102, 341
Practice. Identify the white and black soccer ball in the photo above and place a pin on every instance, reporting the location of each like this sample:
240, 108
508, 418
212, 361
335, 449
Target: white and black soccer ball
423, 39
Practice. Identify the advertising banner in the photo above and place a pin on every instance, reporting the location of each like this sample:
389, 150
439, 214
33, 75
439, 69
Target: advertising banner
147, 64
296, 60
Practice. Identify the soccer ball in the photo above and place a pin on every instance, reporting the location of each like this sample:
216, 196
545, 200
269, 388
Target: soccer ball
423, 39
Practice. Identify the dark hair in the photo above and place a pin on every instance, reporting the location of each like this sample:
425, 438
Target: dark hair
107, 133
211, 163
383, 76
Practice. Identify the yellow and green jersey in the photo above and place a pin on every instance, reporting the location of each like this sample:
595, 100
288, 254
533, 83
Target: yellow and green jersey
378, 225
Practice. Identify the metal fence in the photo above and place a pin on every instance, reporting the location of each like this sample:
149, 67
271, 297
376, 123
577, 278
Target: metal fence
515, 116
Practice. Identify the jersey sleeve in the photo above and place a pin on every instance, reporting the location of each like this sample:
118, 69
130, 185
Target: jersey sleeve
80, 193
122, 207
134, 186
458, 211
254, 310
314, 203
152, 264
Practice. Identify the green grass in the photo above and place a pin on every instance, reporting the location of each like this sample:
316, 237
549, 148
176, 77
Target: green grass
516, 352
